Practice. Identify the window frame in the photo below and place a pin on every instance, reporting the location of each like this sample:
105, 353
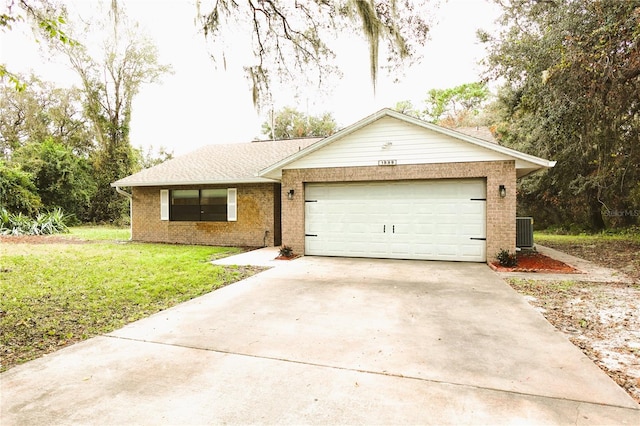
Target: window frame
168, 208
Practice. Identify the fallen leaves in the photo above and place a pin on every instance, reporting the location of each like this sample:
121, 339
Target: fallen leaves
602, 319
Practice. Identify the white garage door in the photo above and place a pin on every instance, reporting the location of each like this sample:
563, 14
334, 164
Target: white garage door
430, 220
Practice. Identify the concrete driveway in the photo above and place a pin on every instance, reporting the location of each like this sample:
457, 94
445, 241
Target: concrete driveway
328, 341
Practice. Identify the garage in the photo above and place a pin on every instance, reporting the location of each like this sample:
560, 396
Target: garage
394, 186
443, 219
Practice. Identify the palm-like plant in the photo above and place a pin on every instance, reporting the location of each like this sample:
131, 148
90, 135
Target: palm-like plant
52, 222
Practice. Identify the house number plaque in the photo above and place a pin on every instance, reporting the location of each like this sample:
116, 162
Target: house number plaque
387, 162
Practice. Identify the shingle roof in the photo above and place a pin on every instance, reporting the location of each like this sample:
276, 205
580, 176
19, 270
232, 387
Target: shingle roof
224, 163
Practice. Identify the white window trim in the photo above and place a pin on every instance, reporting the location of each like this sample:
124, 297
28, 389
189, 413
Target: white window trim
232, 204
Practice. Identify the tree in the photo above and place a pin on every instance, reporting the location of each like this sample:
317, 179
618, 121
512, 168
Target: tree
42, 111
455, 106
61, 178
18, 194
407, 108
287, 39
573, 84
289, 123
44, 15
290, 39
148, 158
110, 80
46, 143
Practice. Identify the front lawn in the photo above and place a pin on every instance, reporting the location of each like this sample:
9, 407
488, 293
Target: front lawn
59, 292
100, 232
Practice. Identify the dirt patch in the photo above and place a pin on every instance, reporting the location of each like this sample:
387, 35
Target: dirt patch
532, 261
602, 319
623, 256
40, 239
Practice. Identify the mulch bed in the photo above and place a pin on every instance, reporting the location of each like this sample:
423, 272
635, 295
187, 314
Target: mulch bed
287, 257
531, 261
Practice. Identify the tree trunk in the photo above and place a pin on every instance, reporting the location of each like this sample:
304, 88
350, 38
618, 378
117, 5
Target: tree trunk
596, 221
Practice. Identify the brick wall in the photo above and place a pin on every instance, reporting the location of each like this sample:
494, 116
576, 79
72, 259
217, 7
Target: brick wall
501, 212
256, 214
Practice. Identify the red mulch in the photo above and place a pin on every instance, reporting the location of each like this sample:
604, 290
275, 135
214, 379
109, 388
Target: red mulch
287, 257
531, 261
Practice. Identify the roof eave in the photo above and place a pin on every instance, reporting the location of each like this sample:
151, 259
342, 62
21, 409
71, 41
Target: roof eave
526, 171
119, 184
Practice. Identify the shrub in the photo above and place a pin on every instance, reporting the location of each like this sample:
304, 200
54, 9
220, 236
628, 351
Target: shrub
4, 219
18, 193
52, 222
286, 251
507, 259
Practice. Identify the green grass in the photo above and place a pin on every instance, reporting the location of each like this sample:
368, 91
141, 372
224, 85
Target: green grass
542, 236
535, 287
100, 233
55, 294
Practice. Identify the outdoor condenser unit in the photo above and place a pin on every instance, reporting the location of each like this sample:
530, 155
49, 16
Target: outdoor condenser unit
524, 232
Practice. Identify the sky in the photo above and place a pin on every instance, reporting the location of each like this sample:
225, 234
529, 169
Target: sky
202, 104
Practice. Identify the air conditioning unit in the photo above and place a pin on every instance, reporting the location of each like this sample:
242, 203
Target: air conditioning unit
524, 232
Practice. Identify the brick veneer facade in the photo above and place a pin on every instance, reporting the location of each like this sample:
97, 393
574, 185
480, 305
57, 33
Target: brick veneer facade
258, 221
501, 212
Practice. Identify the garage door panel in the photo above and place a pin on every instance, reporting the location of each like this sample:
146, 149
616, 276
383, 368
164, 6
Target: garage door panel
423, 213
472, 229
472, 232
471, 251
423, 249
407, 219
447, 229
425, 229
402, 231
400, 249
401, 208
335, 208
314, 208
447, 250
378, 247
361, 208
472, 208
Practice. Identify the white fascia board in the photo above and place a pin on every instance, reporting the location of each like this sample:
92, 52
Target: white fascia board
187, 183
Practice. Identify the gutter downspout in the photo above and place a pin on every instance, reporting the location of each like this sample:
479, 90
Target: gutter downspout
130, 197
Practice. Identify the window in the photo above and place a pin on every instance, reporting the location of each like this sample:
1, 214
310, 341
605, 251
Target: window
202, 205
213, 203
185, 204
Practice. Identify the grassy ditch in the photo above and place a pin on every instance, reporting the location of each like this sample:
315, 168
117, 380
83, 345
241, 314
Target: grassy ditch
631, 237
55, 294
618, 251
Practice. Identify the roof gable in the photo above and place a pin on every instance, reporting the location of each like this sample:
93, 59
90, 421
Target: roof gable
390, 139
389, 135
